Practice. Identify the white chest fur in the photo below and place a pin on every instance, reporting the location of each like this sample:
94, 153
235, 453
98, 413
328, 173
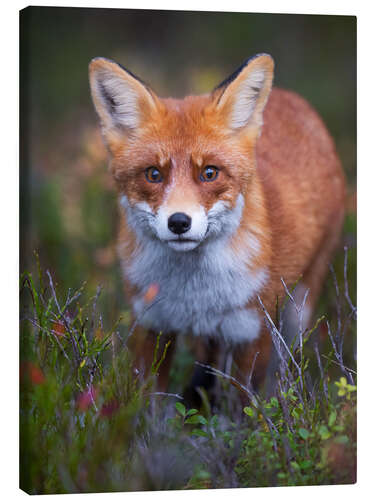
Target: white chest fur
203, 292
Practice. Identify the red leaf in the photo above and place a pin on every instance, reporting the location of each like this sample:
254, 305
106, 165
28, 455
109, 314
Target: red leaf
87, 398
151, 293
58, 328
108, 409
32, 372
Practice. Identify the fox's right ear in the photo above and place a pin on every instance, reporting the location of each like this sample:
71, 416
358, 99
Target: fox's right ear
121, 100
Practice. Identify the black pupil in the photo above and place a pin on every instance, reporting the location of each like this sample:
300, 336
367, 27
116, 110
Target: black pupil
154, 174
210, 172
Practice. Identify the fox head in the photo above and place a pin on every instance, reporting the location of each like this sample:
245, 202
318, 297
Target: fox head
183, 167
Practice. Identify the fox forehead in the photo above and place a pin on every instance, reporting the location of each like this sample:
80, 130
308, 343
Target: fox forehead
184, 129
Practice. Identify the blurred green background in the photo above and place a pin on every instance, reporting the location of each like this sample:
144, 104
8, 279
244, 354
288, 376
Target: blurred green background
68, 207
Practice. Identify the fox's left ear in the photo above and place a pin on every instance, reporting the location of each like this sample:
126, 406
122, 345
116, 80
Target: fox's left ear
241, 98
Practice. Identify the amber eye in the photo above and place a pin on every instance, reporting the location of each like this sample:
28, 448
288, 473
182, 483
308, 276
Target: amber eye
209, 173
153, 174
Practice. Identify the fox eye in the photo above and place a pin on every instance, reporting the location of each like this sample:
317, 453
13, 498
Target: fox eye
209, 173
153, 174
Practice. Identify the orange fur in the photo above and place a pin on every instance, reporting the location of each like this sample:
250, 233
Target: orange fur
290, 178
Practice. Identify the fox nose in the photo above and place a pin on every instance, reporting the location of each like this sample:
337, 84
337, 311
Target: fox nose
179, 223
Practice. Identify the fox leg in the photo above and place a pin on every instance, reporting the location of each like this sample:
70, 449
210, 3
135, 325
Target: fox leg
143, 345
252, 359
207, 352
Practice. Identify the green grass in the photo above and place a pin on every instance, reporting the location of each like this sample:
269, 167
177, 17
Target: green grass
90, 423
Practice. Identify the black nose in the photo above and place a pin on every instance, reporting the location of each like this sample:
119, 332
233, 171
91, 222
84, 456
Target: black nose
179, 223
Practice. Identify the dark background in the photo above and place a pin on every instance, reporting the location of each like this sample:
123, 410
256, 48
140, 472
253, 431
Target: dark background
68, 208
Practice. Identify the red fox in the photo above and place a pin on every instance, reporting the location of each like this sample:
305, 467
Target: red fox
221, 196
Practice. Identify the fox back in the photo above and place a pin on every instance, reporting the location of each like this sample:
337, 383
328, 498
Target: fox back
221, 196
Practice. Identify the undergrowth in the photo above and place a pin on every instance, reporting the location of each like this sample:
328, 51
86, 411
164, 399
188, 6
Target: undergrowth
91, 423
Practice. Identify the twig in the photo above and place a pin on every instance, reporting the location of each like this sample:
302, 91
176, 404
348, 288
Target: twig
252, 369
276, 331
338, 305
94, 303
339, 355
325, 388
140, 316
66, 324
233, 381
251, 395
90, 388
33, 322
347, 296
284, 408
166, 394
338, 364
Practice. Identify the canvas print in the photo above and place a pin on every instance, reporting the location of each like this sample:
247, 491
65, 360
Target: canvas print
188, 250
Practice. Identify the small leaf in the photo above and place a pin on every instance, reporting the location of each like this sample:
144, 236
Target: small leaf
196, 419
180, 408
193, 420
324, 432
202, 420
87, 398
214, 421
32, 372
82, 363
343, 381
274, 402
304, 433
342, 439
248, 411
58, 328
199, 432
338, 428
305, 464
332, 418
193, 411
294, 465
296, 412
